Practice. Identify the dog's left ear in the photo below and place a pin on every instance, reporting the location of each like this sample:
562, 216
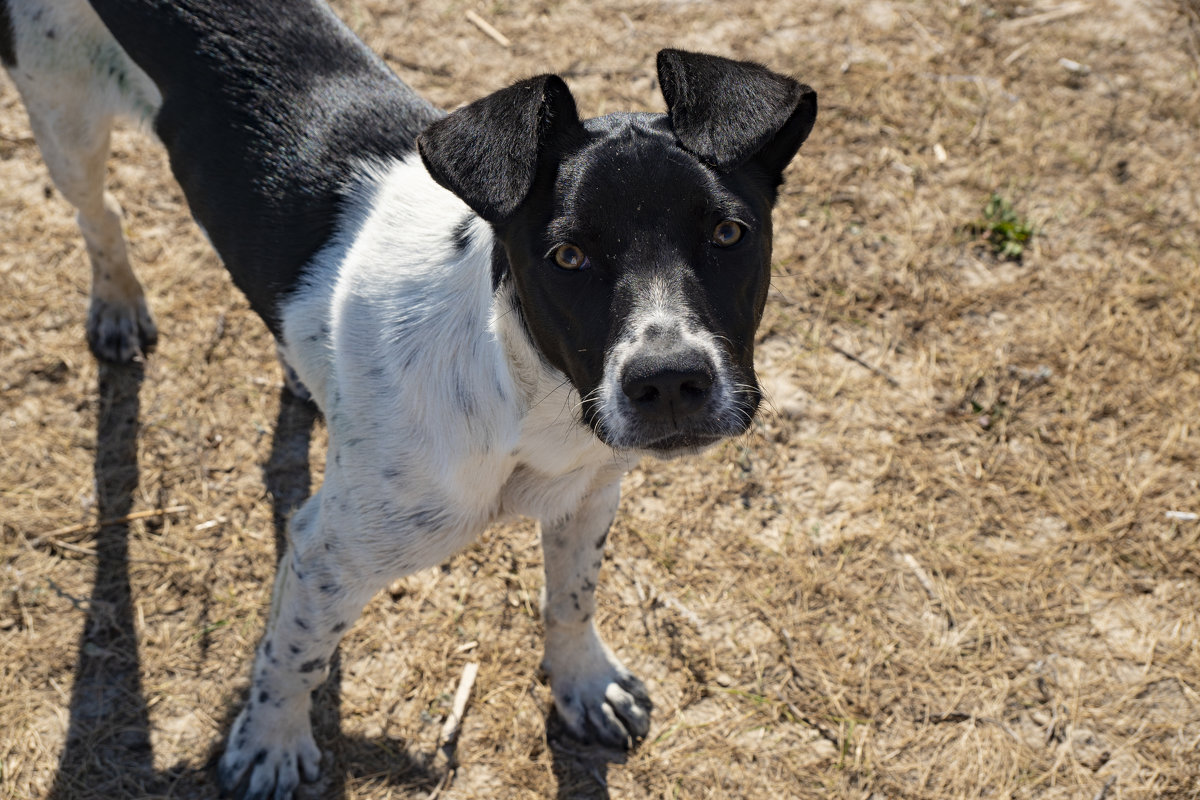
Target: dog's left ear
727, 113
487, 152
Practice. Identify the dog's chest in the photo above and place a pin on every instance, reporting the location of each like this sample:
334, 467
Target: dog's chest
558, 462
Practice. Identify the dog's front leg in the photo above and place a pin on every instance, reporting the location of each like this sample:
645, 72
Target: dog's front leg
596, 696
317, 596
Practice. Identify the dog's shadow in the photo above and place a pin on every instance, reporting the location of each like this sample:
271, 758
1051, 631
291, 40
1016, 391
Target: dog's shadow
581, 771
108, 750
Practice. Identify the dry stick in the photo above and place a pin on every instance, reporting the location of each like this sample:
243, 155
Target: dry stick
103, 523
926, 584
958, 716
485, 26
1053, 15
862, 363
444, 758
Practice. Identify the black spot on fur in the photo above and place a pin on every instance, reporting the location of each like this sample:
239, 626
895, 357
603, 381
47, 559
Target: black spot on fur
575, 600
260, 756
600, 542
294, 649
375, 373
301, 624
329, 588
313, 665
264, 696
464, 397
499, 264
588, 586
341, 626
462, 234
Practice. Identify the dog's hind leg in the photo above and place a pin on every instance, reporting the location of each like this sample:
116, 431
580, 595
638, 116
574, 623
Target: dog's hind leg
74, 80
597, 697
75, 148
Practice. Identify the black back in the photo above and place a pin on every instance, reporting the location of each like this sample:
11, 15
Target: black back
269, 108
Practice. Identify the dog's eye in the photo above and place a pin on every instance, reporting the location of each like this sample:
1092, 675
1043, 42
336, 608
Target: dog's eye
570, 256
727, 233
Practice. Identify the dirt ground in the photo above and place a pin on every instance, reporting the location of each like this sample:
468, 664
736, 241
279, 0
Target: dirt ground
958, 555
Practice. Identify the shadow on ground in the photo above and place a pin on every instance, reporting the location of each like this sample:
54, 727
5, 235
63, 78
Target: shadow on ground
108, 751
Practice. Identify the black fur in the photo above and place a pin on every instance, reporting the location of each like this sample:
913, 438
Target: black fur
268, 109
8, 53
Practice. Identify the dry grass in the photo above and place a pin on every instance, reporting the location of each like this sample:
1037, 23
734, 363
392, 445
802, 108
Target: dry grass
950, 572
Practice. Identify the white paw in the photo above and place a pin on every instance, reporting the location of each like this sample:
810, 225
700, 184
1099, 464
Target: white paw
119, 332
599, 700
268, 754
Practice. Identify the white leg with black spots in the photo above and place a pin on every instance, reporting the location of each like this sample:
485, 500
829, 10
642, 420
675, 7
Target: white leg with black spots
598, 699
317, 596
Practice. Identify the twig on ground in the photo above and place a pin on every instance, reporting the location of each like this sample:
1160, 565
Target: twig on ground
922, 576
927, 584
958, 716
1053, 15
483, 25
443, 759
52, 536
857, 360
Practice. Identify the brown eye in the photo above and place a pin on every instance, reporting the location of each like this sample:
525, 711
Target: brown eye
569, 256
727, 233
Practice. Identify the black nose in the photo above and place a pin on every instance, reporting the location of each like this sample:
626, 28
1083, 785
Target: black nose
668, 387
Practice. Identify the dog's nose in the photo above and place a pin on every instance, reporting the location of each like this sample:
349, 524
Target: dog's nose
668, 387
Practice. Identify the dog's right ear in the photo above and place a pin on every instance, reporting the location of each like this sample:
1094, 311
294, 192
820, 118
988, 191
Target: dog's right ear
487, 152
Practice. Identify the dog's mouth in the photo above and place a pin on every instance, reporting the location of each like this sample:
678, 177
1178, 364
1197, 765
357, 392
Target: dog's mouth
679, 444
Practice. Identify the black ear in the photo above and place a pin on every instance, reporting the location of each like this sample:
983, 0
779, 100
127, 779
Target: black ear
487, 152
726, 112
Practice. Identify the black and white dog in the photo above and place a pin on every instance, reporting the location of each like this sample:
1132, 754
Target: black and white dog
444, 286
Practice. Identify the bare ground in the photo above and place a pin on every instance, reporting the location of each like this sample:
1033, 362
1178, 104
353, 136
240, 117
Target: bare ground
945, 563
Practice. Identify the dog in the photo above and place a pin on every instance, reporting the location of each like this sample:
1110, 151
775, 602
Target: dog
443, 285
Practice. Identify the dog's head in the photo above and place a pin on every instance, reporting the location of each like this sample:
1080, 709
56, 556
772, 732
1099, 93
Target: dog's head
639, 245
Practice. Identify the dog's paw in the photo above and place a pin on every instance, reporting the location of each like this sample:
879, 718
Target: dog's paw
267, 757
120, 332
601, 702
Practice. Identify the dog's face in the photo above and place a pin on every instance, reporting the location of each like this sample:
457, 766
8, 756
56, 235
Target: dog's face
639, 245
